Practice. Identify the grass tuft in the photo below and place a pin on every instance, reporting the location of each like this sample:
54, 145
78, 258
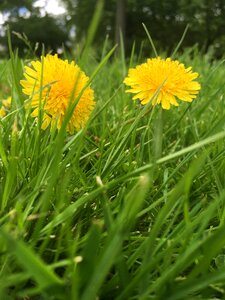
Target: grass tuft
130, 207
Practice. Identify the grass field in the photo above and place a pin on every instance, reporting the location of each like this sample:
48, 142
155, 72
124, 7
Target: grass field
130, 207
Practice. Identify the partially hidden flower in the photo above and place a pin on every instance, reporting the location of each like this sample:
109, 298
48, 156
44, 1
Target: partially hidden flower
5, 106
57, 84
162, 81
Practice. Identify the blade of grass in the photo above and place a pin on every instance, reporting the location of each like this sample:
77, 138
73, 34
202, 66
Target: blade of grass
41, 273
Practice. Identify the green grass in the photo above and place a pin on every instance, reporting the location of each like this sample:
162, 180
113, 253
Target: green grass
131, 207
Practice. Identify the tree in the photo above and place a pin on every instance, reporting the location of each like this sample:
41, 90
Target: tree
166, 21
120, 26
80, 15
32, 30
13, 6
38, 31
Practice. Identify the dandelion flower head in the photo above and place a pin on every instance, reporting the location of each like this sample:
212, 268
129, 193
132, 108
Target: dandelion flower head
162, 81
5, 106
56, 83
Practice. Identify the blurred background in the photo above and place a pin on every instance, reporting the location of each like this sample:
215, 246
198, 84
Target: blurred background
63, 25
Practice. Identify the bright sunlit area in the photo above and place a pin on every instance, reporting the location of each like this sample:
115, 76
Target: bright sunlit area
53, 7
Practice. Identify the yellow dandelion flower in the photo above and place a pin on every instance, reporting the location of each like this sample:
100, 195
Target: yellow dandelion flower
2, 112
56, 81
6, 104
162, 81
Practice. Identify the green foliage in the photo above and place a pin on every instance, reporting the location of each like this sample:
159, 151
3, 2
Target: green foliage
30, 34
131, 207
13, 6
166, 21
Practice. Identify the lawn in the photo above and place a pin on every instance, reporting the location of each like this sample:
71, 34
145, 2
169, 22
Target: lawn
132, 206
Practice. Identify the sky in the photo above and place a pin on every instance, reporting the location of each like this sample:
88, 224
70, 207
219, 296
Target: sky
50, 6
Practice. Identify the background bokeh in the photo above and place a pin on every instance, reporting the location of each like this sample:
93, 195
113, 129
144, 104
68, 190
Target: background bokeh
64, 25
